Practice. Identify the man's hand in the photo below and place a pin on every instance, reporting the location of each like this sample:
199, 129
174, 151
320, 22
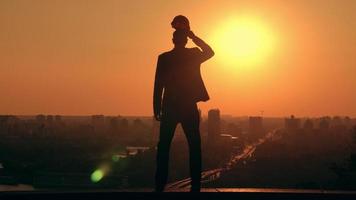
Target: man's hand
157, 110
207, 50
157, 113
191, 35
158, 117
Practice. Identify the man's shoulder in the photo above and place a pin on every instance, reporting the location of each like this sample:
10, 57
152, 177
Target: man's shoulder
165, 54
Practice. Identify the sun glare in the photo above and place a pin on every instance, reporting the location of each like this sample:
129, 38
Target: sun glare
242, 42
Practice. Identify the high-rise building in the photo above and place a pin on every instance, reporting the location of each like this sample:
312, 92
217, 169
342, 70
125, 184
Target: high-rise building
98, 121
292, 123
114, 123
308, 125
347, 121
234, 129
41, 118
225, 146
255, 124
49, 118
324, 123
58, 118
213, 126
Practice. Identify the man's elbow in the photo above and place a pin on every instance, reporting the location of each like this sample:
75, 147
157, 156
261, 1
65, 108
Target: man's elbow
211, 53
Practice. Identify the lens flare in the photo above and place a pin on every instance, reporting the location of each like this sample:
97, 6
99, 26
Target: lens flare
97, 175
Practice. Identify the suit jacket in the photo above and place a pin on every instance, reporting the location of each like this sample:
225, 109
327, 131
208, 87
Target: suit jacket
178, 77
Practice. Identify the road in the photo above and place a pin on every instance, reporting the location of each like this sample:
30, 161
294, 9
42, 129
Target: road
211, 175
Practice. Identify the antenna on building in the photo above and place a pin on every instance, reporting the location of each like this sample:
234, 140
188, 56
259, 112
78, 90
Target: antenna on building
262, 111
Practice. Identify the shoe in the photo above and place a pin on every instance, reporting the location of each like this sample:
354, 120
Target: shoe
195, 189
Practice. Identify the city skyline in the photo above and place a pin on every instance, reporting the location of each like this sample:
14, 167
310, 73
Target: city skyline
88, 57
128, 147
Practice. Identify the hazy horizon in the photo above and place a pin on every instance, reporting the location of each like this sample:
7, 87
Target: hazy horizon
205, 115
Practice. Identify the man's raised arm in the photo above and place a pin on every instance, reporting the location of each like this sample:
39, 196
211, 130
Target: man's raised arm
207, 51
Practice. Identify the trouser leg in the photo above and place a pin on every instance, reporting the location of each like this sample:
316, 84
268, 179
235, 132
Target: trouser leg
191, 129
167, 129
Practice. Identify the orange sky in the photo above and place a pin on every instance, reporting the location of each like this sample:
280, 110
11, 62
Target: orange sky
90, 57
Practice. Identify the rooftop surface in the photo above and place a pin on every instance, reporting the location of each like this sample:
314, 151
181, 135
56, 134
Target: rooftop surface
206, 193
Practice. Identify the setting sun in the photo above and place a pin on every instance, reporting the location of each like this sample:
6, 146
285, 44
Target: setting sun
243, 42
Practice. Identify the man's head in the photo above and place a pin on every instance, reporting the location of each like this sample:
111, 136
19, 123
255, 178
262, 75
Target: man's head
180, 22
180, 38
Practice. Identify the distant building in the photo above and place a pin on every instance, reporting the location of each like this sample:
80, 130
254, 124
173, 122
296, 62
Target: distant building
124, 126
41, 118
98, 121
9, 119
213, 126
97, 118
347, 121
226, 145
308, 125
137, 123
49, 118
114, 124
86, 129
336, 121
324, 123
255, 125
234, 129
58, 118
292, 123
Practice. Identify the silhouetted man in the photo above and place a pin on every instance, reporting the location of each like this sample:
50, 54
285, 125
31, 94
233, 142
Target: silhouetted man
177, 89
